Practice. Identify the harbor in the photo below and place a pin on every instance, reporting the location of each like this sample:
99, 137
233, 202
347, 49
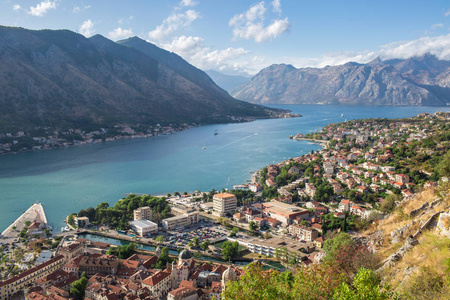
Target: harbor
35, 215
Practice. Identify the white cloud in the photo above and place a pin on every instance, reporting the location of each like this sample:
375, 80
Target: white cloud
120, 33
16, 7
87, 28
447, 13
436, 26
126, 20
78, 9
250, 24
192, 49
276, 4
42, 8
172, 23
438, 46
188, 3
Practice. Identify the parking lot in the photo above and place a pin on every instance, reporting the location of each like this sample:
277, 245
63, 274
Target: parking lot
204, 230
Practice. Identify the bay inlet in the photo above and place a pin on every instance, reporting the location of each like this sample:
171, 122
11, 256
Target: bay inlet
67, 180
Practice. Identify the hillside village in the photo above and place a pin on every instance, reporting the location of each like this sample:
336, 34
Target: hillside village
370, 176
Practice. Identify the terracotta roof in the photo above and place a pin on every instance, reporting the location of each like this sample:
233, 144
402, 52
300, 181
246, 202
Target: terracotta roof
156, 278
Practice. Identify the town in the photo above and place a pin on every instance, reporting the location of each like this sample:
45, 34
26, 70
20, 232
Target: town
281, 220
46, 138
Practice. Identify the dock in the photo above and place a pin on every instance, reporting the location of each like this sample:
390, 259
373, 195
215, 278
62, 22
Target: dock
34, 214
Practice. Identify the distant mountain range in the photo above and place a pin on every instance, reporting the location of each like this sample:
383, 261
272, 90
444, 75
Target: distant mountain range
421, 80
60, 79
227, 82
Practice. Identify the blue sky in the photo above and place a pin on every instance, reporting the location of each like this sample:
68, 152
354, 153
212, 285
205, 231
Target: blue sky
244, 36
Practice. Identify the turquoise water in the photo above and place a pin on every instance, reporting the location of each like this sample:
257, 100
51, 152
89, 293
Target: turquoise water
67, 180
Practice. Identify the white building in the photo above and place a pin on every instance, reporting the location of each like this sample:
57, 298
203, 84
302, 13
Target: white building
144, 227
142, 213
224, 203
180, 221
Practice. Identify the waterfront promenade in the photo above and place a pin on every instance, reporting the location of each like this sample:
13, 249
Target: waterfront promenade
35, 213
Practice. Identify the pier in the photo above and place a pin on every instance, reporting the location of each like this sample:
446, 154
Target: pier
35, 214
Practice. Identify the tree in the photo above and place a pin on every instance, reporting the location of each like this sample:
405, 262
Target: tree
163, 259
388, 204
252, 226
444, 166
196, 241
229, 250
204, 246
257, 284
160, 239
365, 286
79, 286
124, 251
332, 245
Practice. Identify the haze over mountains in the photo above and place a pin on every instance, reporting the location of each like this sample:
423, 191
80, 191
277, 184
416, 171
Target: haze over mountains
225, 81
61, 79
421, 80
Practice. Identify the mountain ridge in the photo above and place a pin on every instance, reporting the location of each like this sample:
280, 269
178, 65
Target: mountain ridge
60, 79
414, 81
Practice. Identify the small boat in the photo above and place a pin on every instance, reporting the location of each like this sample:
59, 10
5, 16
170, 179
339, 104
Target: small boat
342, 115
203, 148
215, 133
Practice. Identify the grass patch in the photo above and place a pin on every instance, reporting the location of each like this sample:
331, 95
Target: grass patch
220, 245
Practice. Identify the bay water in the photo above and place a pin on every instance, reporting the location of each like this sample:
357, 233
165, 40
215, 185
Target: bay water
67, 180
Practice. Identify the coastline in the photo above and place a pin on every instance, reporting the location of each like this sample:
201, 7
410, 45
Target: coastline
135, 135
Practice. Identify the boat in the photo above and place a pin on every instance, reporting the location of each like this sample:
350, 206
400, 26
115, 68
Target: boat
342, 115
203, 148
215, 133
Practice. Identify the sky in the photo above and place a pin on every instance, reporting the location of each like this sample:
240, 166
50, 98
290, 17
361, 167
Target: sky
241, 37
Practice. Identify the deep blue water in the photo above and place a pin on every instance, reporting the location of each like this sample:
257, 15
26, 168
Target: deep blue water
67, 180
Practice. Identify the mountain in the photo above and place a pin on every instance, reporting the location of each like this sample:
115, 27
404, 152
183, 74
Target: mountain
416, 81
227, 82
60, 79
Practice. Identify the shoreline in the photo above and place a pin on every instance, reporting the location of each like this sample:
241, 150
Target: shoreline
142, 135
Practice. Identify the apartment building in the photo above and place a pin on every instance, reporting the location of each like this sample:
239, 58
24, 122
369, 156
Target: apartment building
180, 221
142, 213
224, 203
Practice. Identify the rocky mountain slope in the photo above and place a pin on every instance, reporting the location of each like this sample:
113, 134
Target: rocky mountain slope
416, 81
60, 79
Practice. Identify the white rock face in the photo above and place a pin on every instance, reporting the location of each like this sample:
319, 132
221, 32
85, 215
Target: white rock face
443, 225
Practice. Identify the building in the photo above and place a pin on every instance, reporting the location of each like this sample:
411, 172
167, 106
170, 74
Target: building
180, 221
144, 227
81, 221
70, 251
21, 281
159, 284
304, 233
344, 205
224, 203
285, 213
142, 213
269, 247
207, 206
92, 264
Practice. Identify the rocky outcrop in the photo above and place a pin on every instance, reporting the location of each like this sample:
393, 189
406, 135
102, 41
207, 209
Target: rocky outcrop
375, 83
414, 213
399, 233
397, 256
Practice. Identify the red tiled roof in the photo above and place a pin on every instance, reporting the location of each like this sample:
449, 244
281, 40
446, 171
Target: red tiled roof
156, 278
